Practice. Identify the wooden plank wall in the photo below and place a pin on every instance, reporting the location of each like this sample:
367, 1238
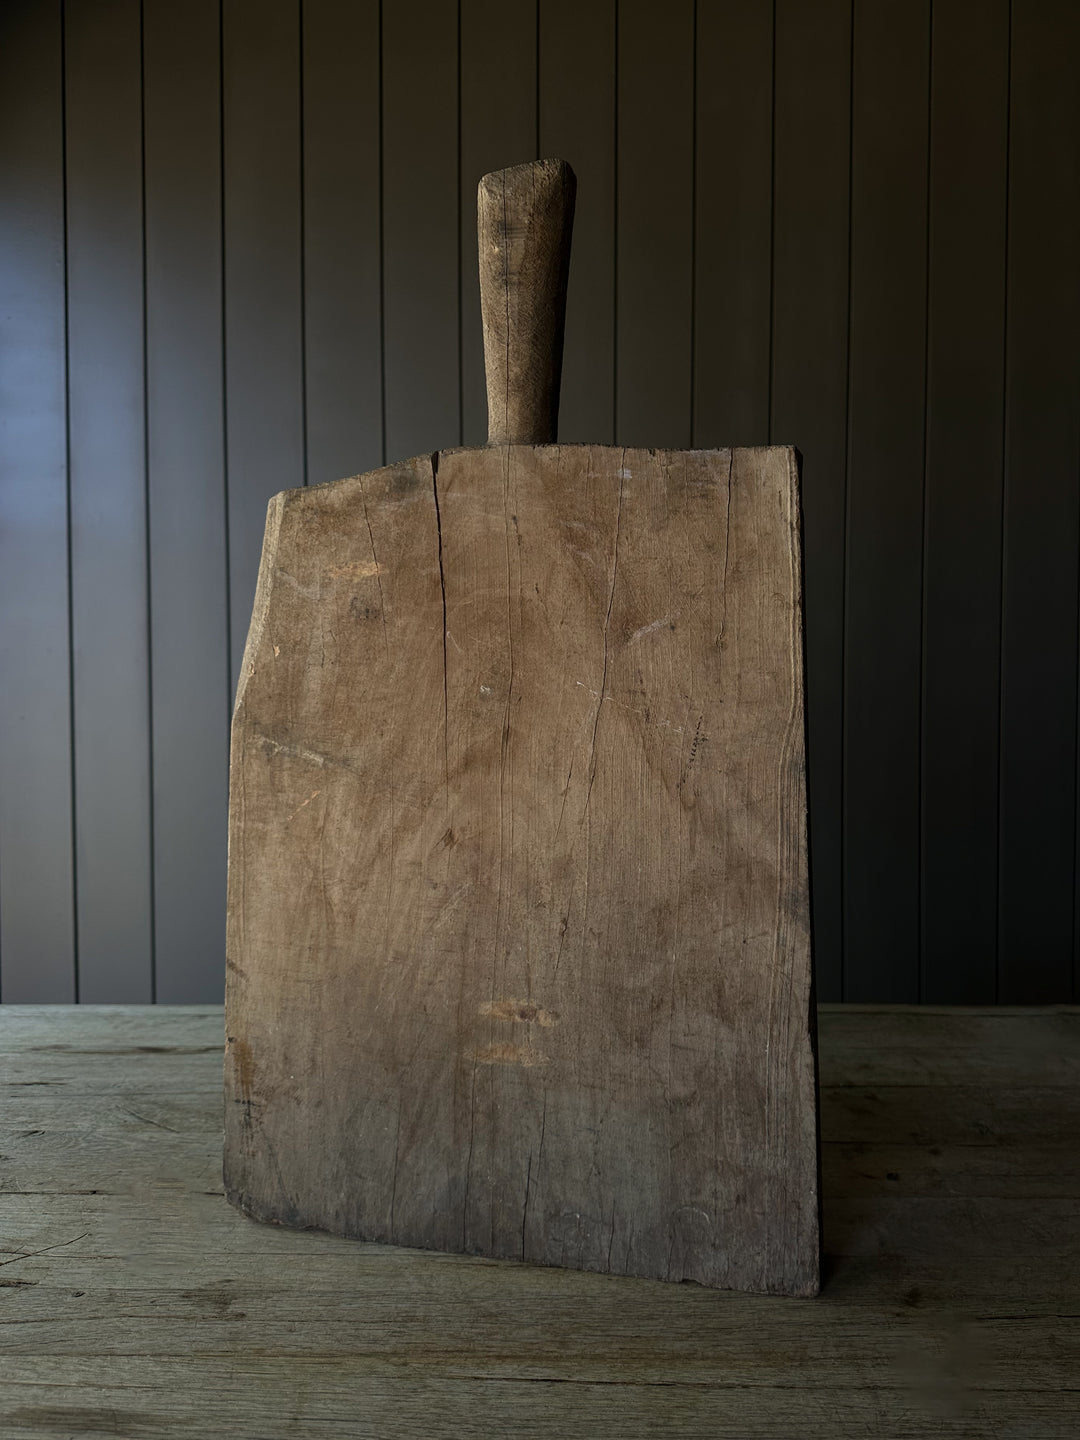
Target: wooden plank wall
238, 255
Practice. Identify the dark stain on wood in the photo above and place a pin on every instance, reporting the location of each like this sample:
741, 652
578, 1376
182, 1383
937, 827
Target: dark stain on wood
243, 1065
523, 1011
97, 1420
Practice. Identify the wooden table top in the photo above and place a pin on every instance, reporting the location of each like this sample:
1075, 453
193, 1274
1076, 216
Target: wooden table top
135, 1302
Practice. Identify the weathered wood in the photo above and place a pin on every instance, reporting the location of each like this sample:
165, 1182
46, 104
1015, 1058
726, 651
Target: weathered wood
519, 937
151, 1307
366, 1400
525, 216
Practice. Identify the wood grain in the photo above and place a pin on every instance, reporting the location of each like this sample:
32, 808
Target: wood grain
525, 218
519, 935
151, 1307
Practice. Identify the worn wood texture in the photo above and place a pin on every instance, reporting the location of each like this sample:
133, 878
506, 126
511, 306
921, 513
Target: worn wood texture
135, 1302
524, 220
518, 921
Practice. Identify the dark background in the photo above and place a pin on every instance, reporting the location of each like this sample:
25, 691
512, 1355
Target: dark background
239, 255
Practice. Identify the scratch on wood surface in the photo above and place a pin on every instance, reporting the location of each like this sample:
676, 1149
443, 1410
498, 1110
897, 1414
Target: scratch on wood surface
445, 631
377, 568
525, 1208
634, 710
146, 1120
298, 752
503, 1053
356, 570
607, 625
28, 1254
309, 592
303, 805
648, 629
335, 762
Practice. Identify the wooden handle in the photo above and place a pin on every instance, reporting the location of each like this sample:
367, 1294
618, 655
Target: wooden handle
525, 216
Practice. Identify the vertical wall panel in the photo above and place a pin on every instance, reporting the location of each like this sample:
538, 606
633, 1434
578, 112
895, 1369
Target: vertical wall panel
498, 128
186, 450
654, 238
421, 235
885, 483
342, 279
37, 930
1038, 702
263, 291
577, 123
237, 256
962, 595
108, 500
809, 395
733, 230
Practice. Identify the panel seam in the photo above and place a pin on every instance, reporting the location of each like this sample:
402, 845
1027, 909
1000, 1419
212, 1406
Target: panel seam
68, 497
382, 250
225, 385
920, 958
847, 513
151, 815
303, 243
1004, 503
772, 234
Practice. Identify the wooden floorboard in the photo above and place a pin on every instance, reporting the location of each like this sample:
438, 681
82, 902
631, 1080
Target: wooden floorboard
135, 1303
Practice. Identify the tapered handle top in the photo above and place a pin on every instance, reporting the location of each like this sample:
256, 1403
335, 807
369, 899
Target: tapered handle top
525, 216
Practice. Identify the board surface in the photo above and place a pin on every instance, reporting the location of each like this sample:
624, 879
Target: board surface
518, 951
